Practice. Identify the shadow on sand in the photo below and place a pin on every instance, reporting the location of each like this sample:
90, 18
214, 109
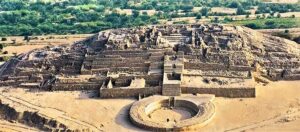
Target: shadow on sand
123, 119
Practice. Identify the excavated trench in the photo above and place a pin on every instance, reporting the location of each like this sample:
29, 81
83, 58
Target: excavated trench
32, 119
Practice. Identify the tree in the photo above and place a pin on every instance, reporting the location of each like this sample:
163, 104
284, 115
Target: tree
199, 16
135, 13
234, 4
293, 16
26, 37
272, 14
1, 47
154, 3
216, 20
227, 19
286, 31
216, 3
247, 16
240, 10
8, 5
204, 11
3, 39
278, 15
187, 8
252, 26
258, 17
270, 24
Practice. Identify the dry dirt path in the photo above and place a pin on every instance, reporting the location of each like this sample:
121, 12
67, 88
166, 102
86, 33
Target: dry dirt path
291, 115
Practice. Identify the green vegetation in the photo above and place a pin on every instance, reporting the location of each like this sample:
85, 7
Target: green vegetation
181, 22
36, 17
269, 23
1, 47
269, 8
3, 39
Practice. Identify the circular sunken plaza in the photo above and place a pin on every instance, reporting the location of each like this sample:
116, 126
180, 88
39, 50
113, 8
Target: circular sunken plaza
161, 113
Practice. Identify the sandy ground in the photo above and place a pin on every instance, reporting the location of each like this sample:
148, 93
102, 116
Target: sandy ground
105, 114
14, 127
295, 31
276, 108
170, 116
268, 111
23, 46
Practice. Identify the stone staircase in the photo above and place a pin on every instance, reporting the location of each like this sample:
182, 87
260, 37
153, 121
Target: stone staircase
175, 38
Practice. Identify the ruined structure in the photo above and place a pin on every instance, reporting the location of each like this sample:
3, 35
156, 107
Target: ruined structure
167, 60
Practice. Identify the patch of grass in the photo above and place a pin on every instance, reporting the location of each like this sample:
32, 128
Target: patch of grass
269, 23
180, 22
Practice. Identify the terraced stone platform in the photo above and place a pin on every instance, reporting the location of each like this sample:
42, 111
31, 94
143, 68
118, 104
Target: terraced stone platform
160, 59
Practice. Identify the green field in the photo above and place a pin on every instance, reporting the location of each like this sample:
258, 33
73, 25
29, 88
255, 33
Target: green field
42, 17
269, 23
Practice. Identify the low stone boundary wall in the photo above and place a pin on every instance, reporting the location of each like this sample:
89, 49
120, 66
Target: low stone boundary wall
171, 90
75, 87
292, 77
128, 92
204, 66
9, 83
215, 66
241, 68
222, 92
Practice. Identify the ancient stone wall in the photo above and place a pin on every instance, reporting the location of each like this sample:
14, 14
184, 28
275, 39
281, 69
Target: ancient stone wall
128, 92
222, 92
204, 66
204, 112
171, 90
75, 86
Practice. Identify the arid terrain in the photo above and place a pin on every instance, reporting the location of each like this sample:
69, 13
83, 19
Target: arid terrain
21, 46
150, 65
276, 108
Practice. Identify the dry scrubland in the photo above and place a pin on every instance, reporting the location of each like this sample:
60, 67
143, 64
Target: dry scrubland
276, 107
